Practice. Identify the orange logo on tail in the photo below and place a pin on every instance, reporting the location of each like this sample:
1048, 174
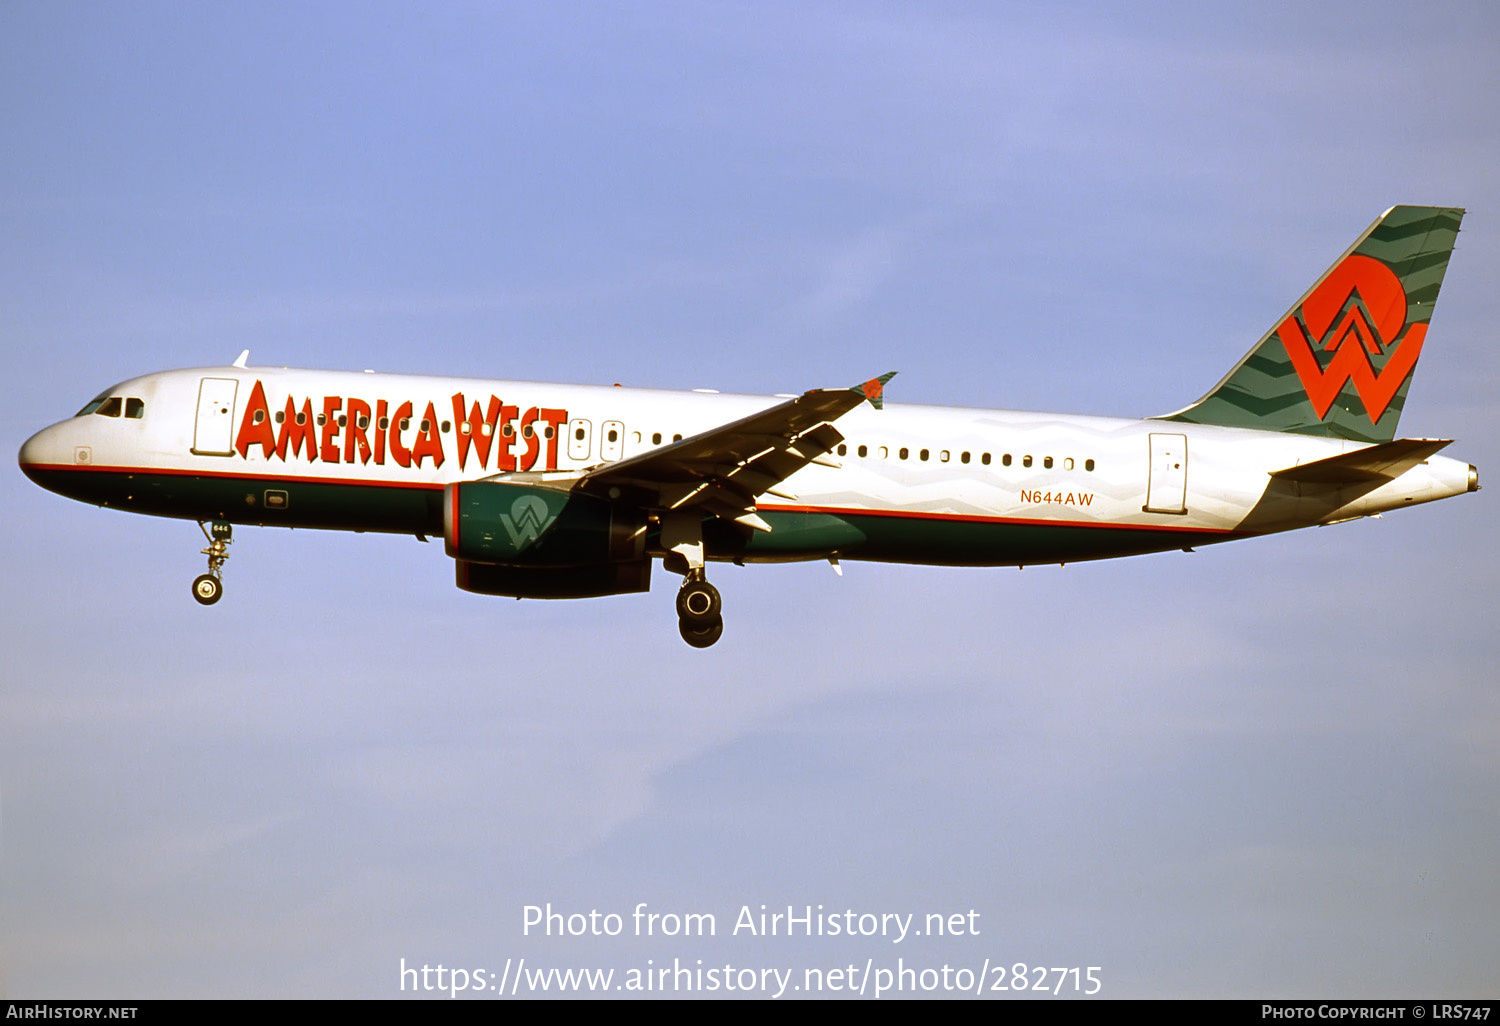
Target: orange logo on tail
1358, 311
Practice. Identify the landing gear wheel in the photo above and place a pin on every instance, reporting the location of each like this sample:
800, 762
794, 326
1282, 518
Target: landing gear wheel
207, 589
700, 635
699, 605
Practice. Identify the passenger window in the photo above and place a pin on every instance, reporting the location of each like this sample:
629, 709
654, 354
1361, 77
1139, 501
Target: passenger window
1047, 462
985, 459
1088, 464
135, 409
943, 456
843, 449
885, 453
1067, 463
1025, 461
963, 457
1005, 460
903, 452
110, 407
864, 450
923, 455
656, 438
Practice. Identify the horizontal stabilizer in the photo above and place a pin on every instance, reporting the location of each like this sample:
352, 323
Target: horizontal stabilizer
1386, 460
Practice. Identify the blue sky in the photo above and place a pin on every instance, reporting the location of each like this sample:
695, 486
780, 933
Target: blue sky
1263, 769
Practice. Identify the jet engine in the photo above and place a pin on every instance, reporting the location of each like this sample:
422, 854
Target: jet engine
535, 542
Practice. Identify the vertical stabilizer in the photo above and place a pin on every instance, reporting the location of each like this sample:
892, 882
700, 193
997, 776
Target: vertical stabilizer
1340, 361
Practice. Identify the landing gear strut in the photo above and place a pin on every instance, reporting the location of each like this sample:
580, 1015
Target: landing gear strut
209, 588
700, 618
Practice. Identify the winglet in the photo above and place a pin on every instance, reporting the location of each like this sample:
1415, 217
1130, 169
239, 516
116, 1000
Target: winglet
874, 389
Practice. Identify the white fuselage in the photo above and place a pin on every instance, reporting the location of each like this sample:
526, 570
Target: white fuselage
225, 443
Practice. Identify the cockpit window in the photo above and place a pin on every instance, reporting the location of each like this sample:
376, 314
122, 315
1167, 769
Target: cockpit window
112, 405
93, 405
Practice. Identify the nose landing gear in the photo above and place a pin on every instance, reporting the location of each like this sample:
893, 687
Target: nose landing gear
209, 588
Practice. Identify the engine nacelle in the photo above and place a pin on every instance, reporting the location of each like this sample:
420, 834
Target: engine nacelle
535, 542
555, 582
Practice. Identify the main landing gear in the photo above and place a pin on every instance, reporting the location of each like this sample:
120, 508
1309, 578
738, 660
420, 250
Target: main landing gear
700, 618
209, 588
699, 607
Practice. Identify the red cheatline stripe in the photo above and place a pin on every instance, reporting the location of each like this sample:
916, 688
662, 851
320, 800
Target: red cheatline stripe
278, 478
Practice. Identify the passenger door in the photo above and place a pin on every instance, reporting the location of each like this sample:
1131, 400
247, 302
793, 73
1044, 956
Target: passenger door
213, 435
1166, 490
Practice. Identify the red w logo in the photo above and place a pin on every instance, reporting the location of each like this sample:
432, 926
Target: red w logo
1357, 312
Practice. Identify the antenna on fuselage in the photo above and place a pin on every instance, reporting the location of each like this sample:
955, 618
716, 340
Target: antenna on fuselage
244, 358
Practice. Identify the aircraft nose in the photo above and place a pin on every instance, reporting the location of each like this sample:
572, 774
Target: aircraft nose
36, 452
31, 454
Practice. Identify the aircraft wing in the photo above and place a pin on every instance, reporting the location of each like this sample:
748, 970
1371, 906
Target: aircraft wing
1373, 463
722, 470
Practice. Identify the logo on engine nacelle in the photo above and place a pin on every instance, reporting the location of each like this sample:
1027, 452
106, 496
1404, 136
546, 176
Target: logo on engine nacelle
528, 519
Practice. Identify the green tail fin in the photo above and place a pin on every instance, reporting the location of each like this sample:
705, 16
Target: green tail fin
1341, 359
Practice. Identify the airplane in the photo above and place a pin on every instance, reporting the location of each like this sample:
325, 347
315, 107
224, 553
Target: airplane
553, 491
